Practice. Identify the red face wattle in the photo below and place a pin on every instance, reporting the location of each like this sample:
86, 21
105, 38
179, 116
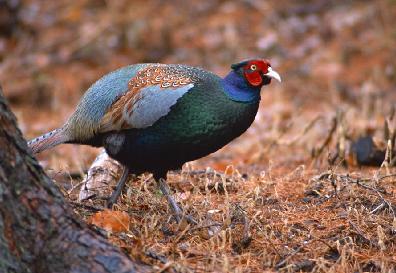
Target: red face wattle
254, 70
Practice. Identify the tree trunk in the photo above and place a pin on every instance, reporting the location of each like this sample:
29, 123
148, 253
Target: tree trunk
38, 230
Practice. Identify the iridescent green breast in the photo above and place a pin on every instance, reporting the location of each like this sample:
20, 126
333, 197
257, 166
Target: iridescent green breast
200, 123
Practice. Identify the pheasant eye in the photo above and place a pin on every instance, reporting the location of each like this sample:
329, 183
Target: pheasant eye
253, 67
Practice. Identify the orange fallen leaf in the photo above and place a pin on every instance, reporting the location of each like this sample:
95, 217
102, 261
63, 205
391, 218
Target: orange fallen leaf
110, 220
223, 167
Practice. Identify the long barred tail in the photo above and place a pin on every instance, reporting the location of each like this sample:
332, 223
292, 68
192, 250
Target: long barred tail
48, 140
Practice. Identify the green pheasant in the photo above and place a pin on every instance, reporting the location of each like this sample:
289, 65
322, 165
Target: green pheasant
155, 117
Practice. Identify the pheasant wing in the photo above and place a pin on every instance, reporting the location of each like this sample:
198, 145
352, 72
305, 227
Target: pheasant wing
150, 96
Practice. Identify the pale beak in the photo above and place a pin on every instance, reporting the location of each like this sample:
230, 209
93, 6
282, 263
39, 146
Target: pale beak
273, 74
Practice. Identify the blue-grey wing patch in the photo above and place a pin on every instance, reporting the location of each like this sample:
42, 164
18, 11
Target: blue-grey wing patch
150, 95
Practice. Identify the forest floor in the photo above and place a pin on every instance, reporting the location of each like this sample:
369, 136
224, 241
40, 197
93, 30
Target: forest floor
286, 196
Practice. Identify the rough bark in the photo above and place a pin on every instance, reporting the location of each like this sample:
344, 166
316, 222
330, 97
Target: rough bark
38, 230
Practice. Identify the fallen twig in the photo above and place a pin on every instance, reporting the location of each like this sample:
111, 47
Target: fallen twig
328, 138
283, 261
360, 232
156, 256
331, 176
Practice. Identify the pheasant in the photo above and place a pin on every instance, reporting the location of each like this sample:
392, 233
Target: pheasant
155, 117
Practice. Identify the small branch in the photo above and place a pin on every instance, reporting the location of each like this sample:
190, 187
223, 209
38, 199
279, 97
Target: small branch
156, 256
387, 176
328, 138
360, 232
283, 261
332, 177
205, 226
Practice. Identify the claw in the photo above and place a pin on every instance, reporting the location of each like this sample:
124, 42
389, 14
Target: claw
176, 209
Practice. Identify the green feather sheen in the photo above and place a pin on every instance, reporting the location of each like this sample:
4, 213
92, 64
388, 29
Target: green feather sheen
201, 122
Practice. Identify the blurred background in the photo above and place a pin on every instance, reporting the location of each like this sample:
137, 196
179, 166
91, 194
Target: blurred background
333, 56
337, 62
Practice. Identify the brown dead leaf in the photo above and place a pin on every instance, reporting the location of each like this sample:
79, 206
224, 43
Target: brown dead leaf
223, 167
110, 220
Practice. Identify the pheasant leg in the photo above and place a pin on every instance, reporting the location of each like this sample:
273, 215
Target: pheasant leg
120, 185
176, 210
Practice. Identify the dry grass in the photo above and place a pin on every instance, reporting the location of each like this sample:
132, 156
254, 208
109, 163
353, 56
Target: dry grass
296, 212
331, 222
